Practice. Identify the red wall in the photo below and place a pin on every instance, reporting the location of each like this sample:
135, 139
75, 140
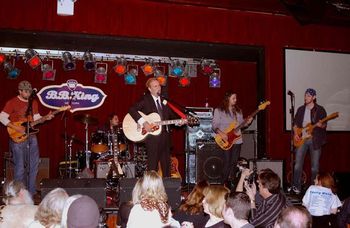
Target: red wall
135, 18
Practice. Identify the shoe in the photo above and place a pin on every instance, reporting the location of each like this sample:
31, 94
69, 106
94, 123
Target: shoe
295, 190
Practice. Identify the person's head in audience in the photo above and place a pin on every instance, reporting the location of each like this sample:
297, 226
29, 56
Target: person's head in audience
16, 193
80, 211
50, 209
325, 180
194, 201
236, 209
152, 187
137, 191
294, 217
214, 200
269, 183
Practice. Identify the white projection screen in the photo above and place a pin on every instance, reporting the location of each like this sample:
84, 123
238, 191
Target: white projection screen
329, 74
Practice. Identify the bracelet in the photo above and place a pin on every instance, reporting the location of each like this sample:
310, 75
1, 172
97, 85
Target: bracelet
252, 201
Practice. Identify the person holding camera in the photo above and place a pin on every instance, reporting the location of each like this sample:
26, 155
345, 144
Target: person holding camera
273, 201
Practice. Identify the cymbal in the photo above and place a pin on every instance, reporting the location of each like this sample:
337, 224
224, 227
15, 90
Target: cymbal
86, 119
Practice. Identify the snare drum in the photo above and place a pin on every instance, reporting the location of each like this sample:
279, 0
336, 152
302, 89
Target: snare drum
99, 141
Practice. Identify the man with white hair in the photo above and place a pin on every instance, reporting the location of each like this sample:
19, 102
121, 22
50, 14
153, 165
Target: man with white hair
294, 217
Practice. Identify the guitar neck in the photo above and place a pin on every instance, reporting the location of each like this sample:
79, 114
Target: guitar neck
243, 123
327, 118
43, 119
168, 122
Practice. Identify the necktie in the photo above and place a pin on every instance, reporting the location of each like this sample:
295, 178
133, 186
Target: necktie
159, 107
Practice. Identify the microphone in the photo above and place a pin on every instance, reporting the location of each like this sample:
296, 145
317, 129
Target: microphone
290, 93
34, 91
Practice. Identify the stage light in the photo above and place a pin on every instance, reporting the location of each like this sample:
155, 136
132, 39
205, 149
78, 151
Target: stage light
68, 61
49, 73
207, 66
120, 66
184, 82
101, 73
177, 69
160, 75
89, 61
12, 71
148, 68
214, 79
2, 58
32, 58
130, 76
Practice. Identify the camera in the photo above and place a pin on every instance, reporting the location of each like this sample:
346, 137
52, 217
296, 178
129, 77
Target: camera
252, 178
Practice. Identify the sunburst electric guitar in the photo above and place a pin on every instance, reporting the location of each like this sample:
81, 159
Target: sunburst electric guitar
233, 131
136, 133
309, 128
21, 137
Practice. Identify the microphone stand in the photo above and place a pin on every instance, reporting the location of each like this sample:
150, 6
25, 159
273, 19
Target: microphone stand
291, 111
67, 151
26, 156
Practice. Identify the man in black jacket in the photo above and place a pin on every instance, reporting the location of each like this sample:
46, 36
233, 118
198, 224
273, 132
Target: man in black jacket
312, 113
157, 146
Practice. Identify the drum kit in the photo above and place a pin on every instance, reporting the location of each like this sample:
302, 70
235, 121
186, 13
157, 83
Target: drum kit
108, 152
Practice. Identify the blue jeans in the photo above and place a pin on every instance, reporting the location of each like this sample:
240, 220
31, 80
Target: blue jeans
299, 162
26, 161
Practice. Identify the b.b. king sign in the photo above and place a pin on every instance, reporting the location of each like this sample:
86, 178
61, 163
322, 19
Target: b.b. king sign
78, 96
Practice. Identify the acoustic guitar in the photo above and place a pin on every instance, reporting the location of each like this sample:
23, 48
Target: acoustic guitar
136, 133
307, 130
21, 137
233, 131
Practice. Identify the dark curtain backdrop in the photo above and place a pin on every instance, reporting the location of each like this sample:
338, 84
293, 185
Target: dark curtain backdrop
136, 18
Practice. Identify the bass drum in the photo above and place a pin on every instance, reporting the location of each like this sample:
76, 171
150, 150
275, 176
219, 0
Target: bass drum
99, 142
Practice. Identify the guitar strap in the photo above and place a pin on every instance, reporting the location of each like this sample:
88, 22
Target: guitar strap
181, 114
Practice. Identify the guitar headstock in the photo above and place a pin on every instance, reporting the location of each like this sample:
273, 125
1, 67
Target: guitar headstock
64, 108
192, 121
263, 105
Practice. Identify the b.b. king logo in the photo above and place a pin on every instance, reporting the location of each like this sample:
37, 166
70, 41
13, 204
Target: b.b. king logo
78, 96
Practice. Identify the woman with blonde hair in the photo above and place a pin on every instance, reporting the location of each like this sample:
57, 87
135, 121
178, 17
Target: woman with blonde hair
213, 203
150, 203
49, 213
321, 201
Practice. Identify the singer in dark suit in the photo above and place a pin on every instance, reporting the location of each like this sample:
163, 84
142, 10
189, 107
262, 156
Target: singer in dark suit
157, 146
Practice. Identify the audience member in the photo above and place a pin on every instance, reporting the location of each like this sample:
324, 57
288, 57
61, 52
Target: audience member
321, 201
19, 204
236, 210
191, 210
150, 206
213, 204
274, 201
80, 211
294, 217
16, 193
49, 213
344, 214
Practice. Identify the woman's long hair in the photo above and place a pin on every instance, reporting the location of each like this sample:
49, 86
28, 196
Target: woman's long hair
225, 104
194, 201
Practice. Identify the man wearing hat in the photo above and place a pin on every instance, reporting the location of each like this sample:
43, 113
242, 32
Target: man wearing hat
23, 108
312, 113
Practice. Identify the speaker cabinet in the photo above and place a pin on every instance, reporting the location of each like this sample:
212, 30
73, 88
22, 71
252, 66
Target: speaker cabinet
274, 165
172, 188
95, 188
209, 162
43, 170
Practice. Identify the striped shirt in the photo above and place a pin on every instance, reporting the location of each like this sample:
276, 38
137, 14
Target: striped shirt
267, 212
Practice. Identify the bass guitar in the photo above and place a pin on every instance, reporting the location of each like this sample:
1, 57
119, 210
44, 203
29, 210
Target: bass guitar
136, 133
233, 131
21, 137
307, 130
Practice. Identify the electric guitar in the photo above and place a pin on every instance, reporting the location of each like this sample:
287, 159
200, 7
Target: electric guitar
21, 137
233, 131
309, 128
136, 133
